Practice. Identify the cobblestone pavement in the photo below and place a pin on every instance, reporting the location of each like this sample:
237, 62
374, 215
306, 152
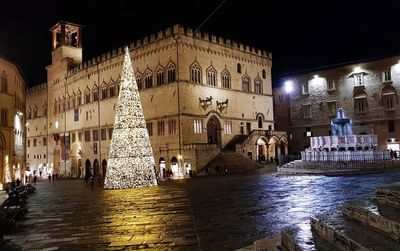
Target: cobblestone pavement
205, 213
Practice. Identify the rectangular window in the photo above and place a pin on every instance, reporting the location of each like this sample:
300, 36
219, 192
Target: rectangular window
360, 105
76, 115
330, 84
29, 143
358, 79
87, 136
103, 134
198, 127
387, 76
3, 118
95, 135
44, 141
332, 108
73, 137
34, 142
87, 115
228, 127
304, 88
307, 111
149, 127
95, 148
391, 126
160, 128
44, 156
388, 101
172, 128
308, 132
80, 136
110, 132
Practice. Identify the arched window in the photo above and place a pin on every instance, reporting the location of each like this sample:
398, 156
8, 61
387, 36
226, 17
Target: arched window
160, 75
73, 99
139, 80
95, 93
258, 85
79, 97
195, 73
260, 121
264, 74
148, 79
226, 79
104, 91
4, 86
171, 73
35, 111
239, 68
29, 112
63, 103
246, 83
111, 89
211, 76
45, 109
68, 99
87, 96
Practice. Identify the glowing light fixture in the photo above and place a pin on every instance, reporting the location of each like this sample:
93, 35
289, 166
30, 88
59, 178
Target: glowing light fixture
288, 86
131, 161
357, 69
316, 76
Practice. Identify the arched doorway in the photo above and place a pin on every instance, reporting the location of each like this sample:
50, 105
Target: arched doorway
174, 166
273, 148
213, 129
261, 149
163, 167
87, 168
104, 167
96, 168
284, 146
76, 157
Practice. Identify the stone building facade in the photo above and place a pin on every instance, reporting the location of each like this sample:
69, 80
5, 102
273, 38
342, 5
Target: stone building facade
197, 90
366, 90
12, 122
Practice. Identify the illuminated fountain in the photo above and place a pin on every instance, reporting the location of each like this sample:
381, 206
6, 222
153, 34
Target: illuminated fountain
343, 144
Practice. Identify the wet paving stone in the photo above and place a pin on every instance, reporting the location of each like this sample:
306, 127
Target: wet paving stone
205, 213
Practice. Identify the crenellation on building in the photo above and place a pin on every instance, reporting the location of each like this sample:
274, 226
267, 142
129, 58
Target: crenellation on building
173, 109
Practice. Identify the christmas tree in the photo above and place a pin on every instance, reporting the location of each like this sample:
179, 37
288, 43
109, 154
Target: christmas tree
131, 160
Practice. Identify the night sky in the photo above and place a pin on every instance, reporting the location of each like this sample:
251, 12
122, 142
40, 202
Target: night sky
300, 34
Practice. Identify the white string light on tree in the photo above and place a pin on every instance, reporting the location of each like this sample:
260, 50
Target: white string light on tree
131, 161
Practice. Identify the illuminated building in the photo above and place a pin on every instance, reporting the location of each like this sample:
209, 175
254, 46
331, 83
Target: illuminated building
12, 122
198, 92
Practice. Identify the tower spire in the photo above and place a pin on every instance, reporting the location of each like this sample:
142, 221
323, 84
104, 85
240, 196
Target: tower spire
131, 161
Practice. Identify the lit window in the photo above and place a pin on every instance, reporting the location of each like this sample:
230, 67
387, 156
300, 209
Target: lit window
172, 128
358, 79
228, 127
197, 126
160, 128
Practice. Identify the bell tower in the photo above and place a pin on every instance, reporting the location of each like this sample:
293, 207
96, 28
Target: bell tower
66, 44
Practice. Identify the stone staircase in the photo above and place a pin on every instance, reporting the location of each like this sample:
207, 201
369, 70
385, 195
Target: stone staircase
236, 140
359, 225
234, 162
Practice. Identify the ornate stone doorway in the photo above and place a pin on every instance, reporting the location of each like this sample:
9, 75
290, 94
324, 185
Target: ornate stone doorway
213, 130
